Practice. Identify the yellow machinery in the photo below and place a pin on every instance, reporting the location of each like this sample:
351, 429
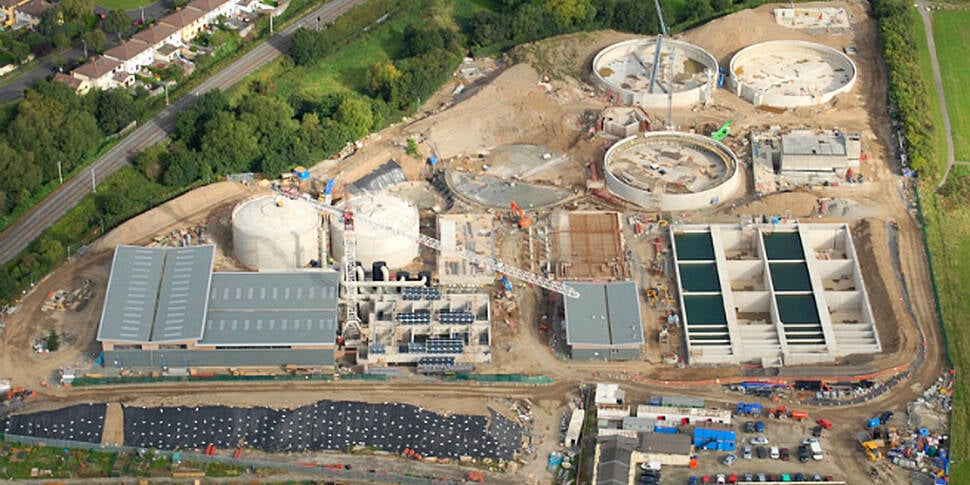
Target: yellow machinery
872, 449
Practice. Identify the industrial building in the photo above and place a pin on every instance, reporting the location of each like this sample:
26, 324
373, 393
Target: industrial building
803, 156
273, 233
618, 456
166, 308
423, 326
679, 416
604, 323
465, 232
771, 294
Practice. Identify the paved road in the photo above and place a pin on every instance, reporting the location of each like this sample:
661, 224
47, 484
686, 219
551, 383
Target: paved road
15, 88
924, 14
16, 238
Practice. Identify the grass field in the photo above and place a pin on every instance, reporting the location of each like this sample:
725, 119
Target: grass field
123, 4
933, 103
953, 45
346, 69
947, 220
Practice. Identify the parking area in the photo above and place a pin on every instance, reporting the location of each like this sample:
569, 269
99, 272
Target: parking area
780, 435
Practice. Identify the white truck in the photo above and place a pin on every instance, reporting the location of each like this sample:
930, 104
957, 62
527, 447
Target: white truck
816, 450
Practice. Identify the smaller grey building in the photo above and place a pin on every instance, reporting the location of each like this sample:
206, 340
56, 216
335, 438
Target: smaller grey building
614, 456
604, 323
827, 151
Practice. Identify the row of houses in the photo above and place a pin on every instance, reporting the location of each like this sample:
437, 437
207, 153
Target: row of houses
15, 14
158, 44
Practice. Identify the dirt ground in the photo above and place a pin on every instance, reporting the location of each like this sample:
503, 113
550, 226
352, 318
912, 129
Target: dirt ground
511, 106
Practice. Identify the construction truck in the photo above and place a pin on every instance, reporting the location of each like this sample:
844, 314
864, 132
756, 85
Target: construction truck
519, 216
873, 449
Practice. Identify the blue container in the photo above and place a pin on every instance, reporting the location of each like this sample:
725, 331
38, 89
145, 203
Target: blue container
665, 429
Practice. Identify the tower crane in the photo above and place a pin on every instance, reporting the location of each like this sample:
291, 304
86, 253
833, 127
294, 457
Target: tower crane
656, 64
352, 324
484, 262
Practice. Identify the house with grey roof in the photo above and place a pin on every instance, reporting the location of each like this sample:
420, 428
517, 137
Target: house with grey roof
604, 323
165, 307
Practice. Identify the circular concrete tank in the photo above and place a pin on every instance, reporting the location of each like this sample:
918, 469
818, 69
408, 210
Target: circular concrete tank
273, 233
670, 170
624, 69
375, 243
791, 73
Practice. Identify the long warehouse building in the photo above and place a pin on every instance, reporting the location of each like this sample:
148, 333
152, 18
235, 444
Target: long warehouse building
165, 307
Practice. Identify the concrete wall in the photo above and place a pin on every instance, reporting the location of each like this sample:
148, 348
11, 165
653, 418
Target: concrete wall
604, 353
728, 188
759, 97
699, 95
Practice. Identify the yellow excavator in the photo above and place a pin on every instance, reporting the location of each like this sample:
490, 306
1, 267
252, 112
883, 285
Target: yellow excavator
872, 448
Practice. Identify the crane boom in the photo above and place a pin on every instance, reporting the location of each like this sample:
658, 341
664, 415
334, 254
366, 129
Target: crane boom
482, 261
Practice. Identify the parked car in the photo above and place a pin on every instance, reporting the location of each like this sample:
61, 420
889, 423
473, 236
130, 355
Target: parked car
775, 454
825, 423
785, 455
692, 480
885, 417
747, 453
721, 479
799, 477
816, 478
760, 440
749, 477
803, 454
749, 427
730, 459
762, 453
759, 426
762, 478
817, 431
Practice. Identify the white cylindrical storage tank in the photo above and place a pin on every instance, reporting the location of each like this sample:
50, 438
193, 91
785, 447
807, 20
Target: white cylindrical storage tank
274, 233
374, 243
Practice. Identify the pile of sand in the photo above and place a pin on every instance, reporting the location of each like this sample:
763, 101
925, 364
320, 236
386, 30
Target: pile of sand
512, 108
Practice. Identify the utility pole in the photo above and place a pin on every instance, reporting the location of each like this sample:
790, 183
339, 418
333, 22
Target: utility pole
85, 44
60, 174
165, 84
94, 185
271, 24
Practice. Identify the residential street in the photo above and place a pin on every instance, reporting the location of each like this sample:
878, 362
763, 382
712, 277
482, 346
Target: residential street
19, 235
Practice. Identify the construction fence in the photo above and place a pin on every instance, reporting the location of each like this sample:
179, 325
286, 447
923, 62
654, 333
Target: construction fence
503, 378
104, 381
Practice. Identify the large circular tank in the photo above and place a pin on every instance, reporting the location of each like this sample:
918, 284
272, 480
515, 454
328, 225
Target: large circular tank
375, 243
791, 73
273, 233
624, 70
671, 170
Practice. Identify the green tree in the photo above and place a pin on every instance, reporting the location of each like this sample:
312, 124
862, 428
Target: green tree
20, 51
571, 13
75, 10
53, 341
311, 130
8, 284
229, 144
50, 23
95, 39
115, 110
356, 115
18, 176
114, 205
307, 47
383, 81
182, 167
117, 21
149, 162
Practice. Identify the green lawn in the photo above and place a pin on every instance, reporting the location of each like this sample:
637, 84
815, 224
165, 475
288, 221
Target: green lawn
932, 101
948, 221
346, 69
123, 4
953, 45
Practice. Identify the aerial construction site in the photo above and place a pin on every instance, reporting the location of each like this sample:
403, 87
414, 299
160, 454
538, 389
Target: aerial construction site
662, 271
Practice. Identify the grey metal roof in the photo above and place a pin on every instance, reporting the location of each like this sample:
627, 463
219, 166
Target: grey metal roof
296, 308
156, 294
613, 467
674, 444
606, 314
181, 296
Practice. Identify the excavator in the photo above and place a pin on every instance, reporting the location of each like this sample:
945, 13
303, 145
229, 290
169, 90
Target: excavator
872, 449
519, 215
